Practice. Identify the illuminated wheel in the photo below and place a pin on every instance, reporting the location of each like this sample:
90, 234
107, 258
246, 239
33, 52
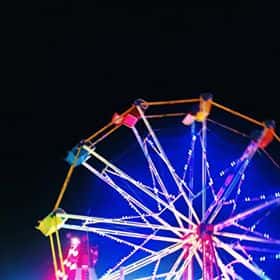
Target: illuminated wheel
180, 195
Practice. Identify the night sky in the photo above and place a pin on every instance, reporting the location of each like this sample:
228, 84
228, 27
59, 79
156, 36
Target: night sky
69, 65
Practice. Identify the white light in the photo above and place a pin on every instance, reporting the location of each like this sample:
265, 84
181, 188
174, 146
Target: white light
75, 241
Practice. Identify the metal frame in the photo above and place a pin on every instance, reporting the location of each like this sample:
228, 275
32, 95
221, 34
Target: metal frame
196, 236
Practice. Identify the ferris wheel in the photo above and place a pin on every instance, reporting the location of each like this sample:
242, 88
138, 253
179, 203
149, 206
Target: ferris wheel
189, 198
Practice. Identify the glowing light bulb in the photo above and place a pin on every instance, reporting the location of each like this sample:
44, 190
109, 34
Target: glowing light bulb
75, 241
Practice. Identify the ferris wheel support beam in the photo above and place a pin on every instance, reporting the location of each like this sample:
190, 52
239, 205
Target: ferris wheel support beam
245, 214
117, 239
224, 269
262, 140
203, 168
156, 173
155, 271
121, 233
176, 265
205, 104
139, 185
166, 160
198, 259
131, 199
87, 220
189, 273
123, 260
109, 235
248, 238
253, 268
187, 261
171, 102
178, 178
157, 276
227, 188
187, 228
54, 257
144, 261
216, 206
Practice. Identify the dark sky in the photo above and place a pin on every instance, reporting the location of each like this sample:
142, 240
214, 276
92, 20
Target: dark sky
69, 65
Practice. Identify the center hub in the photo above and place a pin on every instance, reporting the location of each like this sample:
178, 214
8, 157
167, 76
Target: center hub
204, 231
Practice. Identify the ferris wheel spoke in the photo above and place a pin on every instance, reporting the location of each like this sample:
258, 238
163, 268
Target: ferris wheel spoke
246, 262
156, 174
131, 199
157, 276
245, 214
225, 191
180, 183
222, 266
151, 164
176, 265
251, 229
87, 220
117, 239
198, 259
188, 167
134, 235
155, 271
166, 206
179, 179
203, 141
137, 184
206, 173
133, 252
242, 247
178, 225
248, 238
171, 169
153, 189
187, 261
144, 262
232, 181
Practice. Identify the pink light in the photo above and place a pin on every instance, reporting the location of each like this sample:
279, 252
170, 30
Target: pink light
130, 120
189, 119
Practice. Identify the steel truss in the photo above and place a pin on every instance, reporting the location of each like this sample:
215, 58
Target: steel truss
192, 237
